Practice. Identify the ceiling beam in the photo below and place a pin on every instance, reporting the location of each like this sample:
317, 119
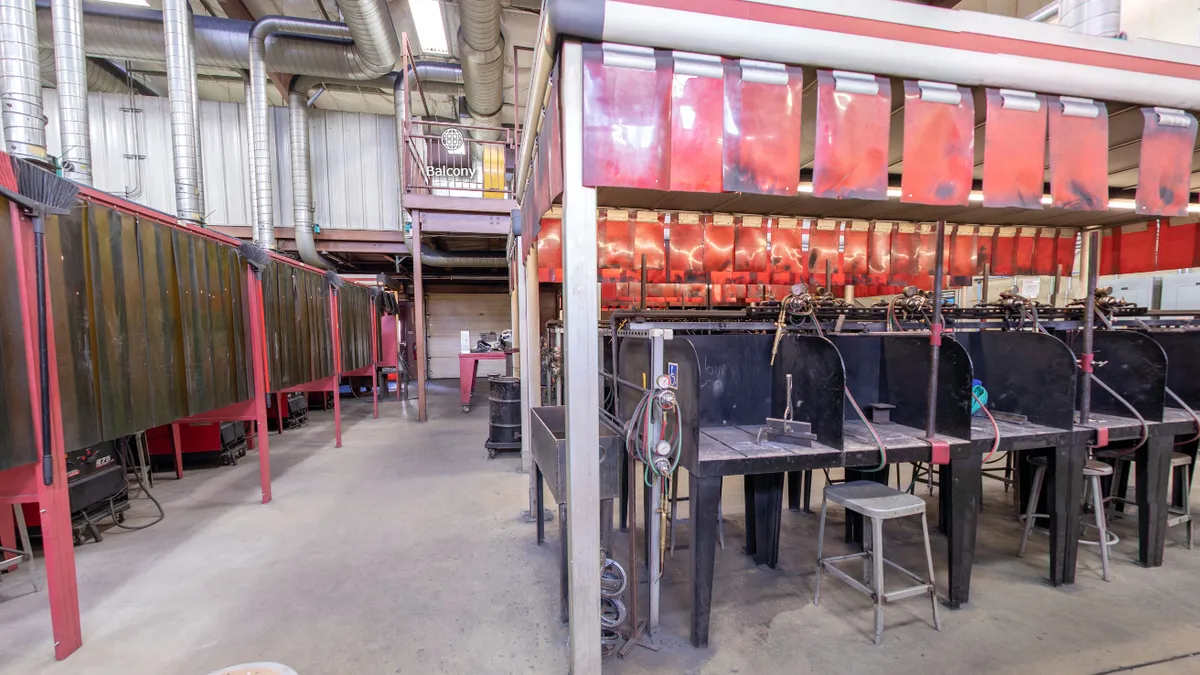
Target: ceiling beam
236, 9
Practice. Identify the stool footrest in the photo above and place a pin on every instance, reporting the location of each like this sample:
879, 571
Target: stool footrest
851, 581
911, 591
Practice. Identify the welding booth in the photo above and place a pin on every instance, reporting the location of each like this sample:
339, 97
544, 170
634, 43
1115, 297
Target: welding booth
153, 326
719, 181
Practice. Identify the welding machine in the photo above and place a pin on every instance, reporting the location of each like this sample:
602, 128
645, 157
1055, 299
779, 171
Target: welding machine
96, 487
225, 439
295, 411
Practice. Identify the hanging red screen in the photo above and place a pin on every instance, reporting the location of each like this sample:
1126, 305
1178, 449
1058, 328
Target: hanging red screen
626, 116
761, 151
855, 239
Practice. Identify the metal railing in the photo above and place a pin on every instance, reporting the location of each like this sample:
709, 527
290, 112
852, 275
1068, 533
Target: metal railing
450, 158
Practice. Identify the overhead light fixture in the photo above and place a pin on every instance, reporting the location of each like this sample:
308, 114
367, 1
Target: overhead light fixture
135, 3
431, 28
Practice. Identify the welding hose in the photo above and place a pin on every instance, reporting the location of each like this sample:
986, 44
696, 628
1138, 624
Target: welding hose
1141, 420
996, 427
883, 459
1190, 412
39, 253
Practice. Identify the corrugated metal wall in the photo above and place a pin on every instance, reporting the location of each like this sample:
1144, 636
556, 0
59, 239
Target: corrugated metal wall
355, 176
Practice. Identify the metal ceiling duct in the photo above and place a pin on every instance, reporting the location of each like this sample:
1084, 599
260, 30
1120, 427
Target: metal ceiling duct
70, 67
20, 84
476, 259
250, 161
481, 50
181, 87
98, 79
1101, 18
302, 193
373, 54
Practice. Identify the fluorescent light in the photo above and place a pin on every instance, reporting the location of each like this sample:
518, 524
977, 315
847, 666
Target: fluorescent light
431, 29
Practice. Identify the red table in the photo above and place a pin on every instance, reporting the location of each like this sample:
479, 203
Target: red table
468, 369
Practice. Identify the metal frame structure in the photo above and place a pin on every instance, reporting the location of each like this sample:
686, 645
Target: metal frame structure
920, 43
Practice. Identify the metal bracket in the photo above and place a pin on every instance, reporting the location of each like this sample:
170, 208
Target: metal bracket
1024, 101
939, 92
855, 83
1073, 106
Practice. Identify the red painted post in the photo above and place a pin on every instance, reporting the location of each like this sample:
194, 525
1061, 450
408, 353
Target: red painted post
337, 368
258, 361
54, 505
280, 399
175, 442
374, 360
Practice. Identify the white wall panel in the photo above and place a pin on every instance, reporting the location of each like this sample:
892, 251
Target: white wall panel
355, 176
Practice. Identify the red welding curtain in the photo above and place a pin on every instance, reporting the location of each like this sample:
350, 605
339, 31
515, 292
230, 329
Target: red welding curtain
1045, 252
787, 258
939, 147
1064, 250
879, 254
649, 247
985, 248
823, 255
696, 129
1110, 252
1078, 155
626, 116
851, 144
1014, 150
1026, 243
687, 249
926, 256
855, 240
1165, 168
963, 255
718, 248
1004, 252
903, 268
750, 251
1137, 247
1177, 246
615, 237
761, 151
549, 247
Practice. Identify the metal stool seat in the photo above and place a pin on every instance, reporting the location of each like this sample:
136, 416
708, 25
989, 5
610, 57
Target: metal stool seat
878, 503
1092, 472
1179, 511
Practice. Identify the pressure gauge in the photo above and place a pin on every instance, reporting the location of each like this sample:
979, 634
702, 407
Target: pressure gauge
662, 449
662, 382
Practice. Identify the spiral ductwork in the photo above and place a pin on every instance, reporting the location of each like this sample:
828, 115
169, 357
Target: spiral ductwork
1101, 18
98, 79
250, 161
302, 201
71, 74
20, 82
181, 87
481, 50
476, 259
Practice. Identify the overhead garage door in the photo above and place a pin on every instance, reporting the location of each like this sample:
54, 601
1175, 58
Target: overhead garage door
450, 314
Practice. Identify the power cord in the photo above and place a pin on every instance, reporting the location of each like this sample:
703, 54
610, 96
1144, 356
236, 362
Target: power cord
123, 449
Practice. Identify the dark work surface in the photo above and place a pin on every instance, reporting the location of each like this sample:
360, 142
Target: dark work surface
1175, 422
1016, 436
731, 451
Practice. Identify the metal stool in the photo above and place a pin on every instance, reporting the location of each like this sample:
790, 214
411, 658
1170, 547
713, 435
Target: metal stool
25, 553
1092, 473
879, 503
1181, 474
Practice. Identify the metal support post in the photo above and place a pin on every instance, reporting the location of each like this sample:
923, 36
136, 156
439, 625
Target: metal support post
1089, 325
419, 317
581, 304
935, 333
654, 532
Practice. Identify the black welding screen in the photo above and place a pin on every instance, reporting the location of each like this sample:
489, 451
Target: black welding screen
1134, 366
818, 382
1183, 364
1025, 373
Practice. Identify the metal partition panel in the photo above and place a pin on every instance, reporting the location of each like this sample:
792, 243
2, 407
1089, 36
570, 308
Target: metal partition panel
356, 320
818, 385
1134, 366
633, 365
299, 332
18, 445
735, 378
1024, 373
894, 369
1182, 349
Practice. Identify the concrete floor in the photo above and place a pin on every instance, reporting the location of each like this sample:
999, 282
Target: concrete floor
402, 553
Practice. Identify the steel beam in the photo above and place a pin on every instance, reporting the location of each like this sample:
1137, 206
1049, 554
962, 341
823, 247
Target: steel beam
425, 203
580, 364
419, 311
466, 223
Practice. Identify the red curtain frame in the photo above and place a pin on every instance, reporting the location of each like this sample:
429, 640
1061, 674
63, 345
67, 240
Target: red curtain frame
879, 254
1177, 245
787, 256
903, 266
686, 261
823, 238
626, 116
1014, 150
1045, 259
750, 251
696, 127
855, 240
1138, 243
851, 144
1004, 252
761, 150
648, 241
1026, 243
939, 145
1064, 250
1078, 154
1165, 166
963, 255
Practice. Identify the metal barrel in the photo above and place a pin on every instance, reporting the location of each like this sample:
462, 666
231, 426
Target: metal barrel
504, 421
